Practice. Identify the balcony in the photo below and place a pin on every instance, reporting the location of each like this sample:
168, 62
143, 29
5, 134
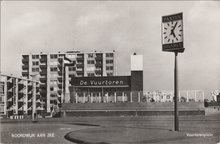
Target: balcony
80, 57
25, 56
20, 86
78, 65
20, 95
25, 60
9, 104
43, 86
59, 91
98, 64
25, 74
60, 73
60, 66
9, 85
98, 71
43, 73
24, 67
10, 95
30, 87
43, 79
20, 104
60, 85
37, 96
60, 78
98, 58
29, 104
29, 96
37, 89
43, 59
43, 66
43, 91
38, 104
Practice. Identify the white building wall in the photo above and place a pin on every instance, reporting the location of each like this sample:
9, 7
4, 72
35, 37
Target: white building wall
136, 62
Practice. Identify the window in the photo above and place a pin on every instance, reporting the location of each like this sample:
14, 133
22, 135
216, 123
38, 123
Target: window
98, 68
35, 56
35, 63
53, 95
53, 56
109, 67
2, 88
71, 75
1, 99
90, 62
109, 61
53, 69
91, 74
109, 74
90, 55
98, 62
72, 68
80, 62
35, 69
109, 54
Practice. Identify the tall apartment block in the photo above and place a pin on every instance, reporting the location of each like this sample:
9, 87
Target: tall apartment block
19, 97
55, 74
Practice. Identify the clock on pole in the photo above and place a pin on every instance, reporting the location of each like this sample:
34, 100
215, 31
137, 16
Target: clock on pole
172, 41
172, 33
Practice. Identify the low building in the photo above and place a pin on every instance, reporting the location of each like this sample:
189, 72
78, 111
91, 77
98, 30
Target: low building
109, 88
19, 97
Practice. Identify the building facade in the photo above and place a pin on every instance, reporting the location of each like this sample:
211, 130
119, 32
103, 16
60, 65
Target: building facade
106, 89
19, 97
54, 71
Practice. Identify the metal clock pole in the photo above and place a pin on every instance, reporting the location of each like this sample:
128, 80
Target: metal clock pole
176, 113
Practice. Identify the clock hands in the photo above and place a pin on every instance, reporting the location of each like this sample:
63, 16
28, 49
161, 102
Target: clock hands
174, 26
172, 30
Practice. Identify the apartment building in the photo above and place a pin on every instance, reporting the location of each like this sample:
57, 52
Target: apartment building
55, 70
19, 97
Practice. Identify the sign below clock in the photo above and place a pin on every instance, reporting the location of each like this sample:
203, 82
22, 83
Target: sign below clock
172, 33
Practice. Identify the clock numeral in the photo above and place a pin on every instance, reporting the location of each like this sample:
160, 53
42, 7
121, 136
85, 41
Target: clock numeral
165, 37
168, 40
172, 22
181, 30
176, 38
168, 24
179, 26
165, 28
164, 33
180, 35
172, 41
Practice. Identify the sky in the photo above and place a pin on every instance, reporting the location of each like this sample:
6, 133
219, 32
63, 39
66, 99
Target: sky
123, 26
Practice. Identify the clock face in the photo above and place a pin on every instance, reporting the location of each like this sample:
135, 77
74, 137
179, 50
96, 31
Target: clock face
172, 32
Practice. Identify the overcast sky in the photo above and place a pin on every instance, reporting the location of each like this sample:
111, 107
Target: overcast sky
123, 26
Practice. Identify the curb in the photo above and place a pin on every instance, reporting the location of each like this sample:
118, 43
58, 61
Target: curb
78, 141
